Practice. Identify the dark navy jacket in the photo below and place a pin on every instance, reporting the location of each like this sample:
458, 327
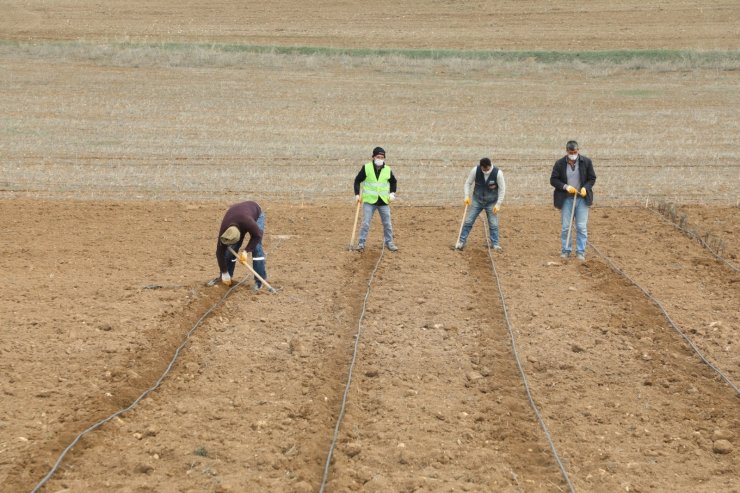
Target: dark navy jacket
559, 179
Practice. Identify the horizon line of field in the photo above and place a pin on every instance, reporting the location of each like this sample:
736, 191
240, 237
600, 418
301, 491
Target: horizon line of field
318, 198
321, 161
541, 56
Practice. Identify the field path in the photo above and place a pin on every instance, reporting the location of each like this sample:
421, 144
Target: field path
437, 403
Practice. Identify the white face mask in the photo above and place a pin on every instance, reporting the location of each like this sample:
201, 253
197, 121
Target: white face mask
572, 157
379, 162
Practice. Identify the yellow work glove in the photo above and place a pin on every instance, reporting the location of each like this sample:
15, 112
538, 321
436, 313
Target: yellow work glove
572, 190
496, 209
243, 257
467, 201
226, 278
583, 191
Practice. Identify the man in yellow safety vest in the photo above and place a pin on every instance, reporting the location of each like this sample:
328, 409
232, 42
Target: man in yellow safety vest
378, 190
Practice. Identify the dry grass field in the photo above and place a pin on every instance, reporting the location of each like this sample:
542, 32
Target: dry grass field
107, 121
480, 24
126, 131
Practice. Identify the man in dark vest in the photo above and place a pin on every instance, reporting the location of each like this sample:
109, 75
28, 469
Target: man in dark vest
573, 179
489, 188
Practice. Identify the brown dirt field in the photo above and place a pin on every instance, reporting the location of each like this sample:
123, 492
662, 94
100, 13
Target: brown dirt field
564, 25
436, 403
117, 162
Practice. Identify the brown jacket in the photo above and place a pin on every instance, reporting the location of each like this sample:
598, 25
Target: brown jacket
244, 216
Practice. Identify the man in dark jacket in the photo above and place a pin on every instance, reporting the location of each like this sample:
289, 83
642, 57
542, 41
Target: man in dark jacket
240, 219
573, 179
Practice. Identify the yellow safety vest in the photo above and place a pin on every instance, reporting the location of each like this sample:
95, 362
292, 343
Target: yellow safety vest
376, 187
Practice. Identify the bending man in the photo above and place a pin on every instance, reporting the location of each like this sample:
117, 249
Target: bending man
240, 219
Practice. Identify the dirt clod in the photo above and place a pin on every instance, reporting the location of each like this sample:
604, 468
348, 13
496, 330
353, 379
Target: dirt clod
143, 469
722, 447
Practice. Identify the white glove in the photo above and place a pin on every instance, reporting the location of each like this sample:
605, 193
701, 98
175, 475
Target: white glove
357, 198
226, 278
393, 196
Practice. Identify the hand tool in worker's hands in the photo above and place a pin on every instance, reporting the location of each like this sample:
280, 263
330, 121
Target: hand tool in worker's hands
462, 223
244, 260
351, 245
572, 215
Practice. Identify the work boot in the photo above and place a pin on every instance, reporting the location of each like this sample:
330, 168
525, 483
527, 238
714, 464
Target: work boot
497, 248
581, 257
360, 247
391, 246
459, 245
564, 255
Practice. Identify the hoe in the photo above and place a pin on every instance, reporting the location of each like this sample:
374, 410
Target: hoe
243, 260
351, 245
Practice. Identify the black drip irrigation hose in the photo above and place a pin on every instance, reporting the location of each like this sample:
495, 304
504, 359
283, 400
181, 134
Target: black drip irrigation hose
670, 321
522, 374
343, 406
144, 394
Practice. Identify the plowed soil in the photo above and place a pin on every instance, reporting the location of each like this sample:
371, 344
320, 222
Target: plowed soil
98, 295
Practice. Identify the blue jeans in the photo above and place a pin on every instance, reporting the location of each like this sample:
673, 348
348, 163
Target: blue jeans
475, 209
385, 217
581, 222
258, 255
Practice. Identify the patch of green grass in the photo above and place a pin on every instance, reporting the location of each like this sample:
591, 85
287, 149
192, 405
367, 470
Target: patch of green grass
640, 93
201, 452
691, 57
611, 56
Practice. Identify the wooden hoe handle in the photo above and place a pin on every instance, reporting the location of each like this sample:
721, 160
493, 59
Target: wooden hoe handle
245, 264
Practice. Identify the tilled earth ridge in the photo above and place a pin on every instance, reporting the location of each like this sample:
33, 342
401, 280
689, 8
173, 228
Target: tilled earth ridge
437, 403
700, 293
262, 378
630, 406
81, 334
253, 399
722, 223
